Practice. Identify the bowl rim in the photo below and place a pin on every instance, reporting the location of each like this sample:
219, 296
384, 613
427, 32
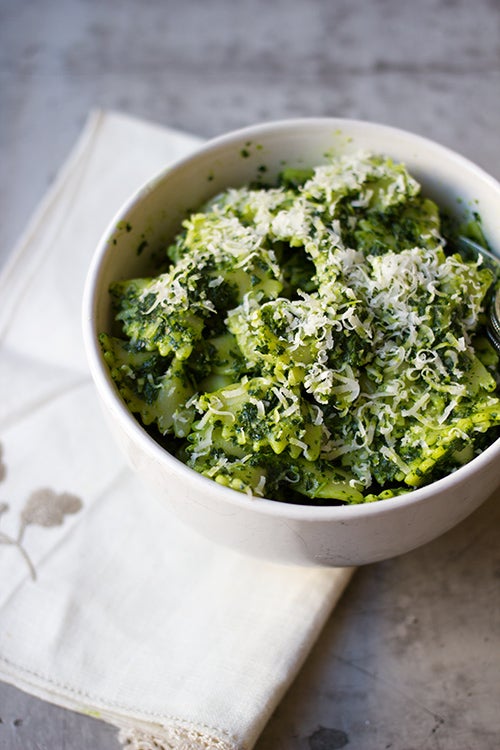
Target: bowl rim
137, 433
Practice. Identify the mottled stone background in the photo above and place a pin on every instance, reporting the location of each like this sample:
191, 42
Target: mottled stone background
411, 657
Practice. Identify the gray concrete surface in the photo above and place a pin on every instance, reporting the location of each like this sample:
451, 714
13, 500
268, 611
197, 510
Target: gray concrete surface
410, 658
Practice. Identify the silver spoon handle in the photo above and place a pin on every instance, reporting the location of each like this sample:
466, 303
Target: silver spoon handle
493, 327
466, 247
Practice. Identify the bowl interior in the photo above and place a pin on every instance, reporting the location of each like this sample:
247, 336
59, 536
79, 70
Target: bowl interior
152, 217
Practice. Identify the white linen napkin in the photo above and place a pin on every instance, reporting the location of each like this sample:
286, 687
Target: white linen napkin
108, 605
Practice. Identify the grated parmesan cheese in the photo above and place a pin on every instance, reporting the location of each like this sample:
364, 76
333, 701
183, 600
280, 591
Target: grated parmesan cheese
345, 330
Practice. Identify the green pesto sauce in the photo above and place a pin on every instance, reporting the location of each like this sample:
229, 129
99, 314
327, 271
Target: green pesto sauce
315, 341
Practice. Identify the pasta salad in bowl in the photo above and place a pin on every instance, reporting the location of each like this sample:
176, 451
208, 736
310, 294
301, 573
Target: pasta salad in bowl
290, 347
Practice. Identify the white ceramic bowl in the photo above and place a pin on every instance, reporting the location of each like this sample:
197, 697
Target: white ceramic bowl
296, 534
